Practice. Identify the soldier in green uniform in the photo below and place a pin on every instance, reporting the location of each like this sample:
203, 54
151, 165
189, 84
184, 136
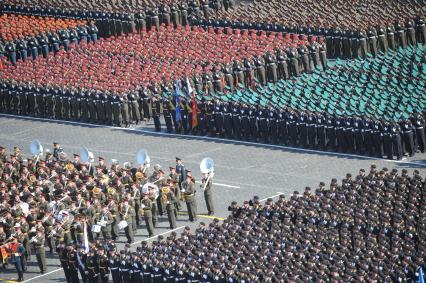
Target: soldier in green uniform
168, 199
126, 213
206, 186
38, 242
154, 209
146, 206
188, 190
105, 219
174, 179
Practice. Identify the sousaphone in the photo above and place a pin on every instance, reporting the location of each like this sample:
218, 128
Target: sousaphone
36, 149
143, 158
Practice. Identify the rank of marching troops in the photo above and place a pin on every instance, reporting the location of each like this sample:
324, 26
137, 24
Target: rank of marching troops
55, 202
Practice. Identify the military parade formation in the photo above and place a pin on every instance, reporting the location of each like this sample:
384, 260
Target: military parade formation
319, 75
369, 226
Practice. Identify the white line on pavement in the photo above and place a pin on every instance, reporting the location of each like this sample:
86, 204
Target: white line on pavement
274, 196
217, 139
222, 185
153, 237
39, 276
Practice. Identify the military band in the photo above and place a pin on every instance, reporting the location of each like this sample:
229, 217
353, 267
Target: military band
58, 203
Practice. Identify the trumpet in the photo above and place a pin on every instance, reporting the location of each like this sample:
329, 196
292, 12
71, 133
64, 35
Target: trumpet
33, 239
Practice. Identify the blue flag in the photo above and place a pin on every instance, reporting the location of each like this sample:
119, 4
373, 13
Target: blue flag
177, 101
421, 278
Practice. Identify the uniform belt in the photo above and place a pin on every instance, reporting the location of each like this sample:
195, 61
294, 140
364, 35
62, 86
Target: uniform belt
328, 127
124, 270
407, 132
367, 130
419, 128
113, 268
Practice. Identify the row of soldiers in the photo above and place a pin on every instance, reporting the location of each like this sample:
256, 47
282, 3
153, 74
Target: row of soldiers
57, 202
368, 227
234, 120
46, 44
138, 19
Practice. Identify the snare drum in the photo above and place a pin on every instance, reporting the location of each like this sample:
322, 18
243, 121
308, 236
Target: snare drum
96, 228
122, 224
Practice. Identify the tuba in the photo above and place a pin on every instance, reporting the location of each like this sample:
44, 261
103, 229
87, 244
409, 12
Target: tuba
142, 157
127, 165
69, 167
33, 178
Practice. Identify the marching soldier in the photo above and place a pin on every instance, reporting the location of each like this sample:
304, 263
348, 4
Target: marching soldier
188, 190
168, 199
206, 187
126, 214
38, 242
114, 265
92, 267
146, 206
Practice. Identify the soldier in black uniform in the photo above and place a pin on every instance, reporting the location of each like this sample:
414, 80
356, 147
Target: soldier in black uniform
92, 100
114, 265
408, 137
72, 264
59, 97
108, 107
116, 110
41, 106
378, 138
387, 139
92, 266
367, 130
340, 137
396, 141
262, 122
311, 128
357, 134
272, 124
167, 115
227, 119
218, 117
419, 123
84, 109
125, 266
321, 131
236, 120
